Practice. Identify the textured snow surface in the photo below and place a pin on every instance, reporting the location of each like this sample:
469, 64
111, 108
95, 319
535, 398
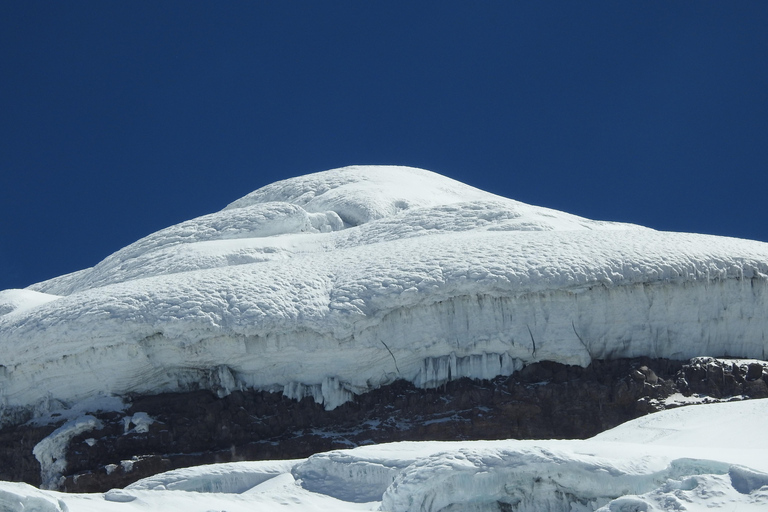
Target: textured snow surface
334, 283
232, 477
697, 458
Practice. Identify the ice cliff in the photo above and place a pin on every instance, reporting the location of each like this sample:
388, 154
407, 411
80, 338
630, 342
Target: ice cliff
334, 283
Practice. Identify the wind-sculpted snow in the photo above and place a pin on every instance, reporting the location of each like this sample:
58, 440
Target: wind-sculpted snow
360, 194
363, 474
676, 468
185, 246
232, 477
334, 283
544, 478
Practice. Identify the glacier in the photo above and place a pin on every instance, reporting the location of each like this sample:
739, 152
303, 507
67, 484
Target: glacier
338, 282
673, 460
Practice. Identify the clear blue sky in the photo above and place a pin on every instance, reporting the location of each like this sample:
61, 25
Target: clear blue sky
121, 118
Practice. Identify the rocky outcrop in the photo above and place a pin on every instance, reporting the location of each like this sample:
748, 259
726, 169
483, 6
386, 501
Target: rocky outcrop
543, 400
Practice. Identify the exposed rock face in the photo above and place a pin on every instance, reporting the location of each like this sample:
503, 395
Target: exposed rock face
544, 400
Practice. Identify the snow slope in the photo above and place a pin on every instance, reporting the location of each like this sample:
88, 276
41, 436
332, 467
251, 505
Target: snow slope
673, 460
334, 283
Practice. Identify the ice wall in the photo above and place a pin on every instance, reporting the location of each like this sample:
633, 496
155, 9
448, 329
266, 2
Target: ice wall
477, 336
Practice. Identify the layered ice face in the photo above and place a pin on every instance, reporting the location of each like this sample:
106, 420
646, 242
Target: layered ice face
334, 283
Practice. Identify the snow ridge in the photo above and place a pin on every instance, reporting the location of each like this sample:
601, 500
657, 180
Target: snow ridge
334, 283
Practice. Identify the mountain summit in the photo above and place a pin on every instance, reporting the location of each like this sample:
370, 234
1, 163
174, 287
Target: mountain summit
336, 283
373, 304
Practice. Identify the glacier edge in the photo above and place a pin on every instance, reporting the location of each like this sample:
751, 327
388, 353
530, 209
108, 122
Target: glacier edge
476, 336
331, 284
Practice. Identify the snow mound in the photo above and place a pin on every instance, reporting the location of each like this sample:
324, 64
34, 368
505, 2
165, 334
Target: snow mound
232, 477
360, 475
21, 300
335, 283
348, 192
696, 426
18, 497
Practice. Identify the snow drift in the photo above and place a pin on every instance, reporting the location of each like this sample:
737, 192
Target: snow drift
334, 283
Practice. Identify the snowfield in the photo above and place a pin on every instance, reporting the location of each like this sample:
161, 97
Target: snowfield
696, 458
335, 283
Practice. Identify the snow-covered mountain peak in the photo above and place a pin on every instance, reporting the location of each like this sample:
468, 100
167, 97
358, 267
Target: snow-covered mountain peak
337, 282
362, 193
372, 204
